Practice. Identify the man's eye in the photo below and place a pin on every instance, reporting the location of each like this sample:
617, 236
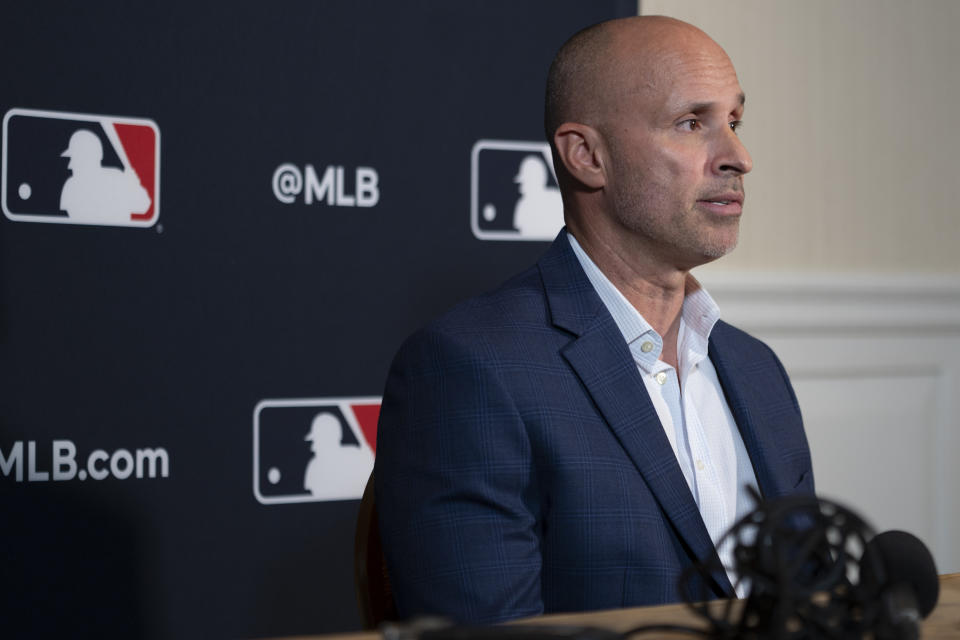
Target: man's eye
736, 124
690, 125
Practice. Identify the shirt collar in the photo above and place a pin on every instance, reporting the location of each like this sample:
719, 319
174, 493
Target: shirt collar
700, 314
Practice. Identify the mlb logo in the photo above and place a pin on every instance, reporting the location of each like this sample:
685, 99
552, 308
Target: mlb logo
77, 168
514, 191
314, 449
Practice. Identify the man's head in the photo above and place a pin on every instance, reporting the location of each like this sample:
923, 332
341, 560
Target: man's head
84, 150
532, 175
325, 432
641, 113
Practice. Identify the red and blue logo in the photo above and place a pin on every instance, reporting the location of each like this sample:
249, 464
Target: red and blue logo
78, 168
313, 449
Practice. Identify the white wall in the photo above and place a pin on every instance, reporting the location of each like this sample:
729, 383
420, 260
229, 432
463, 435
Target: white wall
848, 264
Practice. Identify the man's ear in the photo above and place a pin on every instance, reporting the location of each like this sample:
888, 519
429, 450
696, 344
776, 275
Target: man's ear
579, 149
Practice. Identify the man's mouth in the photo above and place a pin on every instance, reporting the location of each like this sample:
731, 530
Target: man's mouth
724, 203
725, 198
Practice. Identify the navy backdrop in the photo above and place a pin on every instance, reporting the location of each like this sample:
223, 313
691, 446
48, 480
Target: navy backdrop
315, 196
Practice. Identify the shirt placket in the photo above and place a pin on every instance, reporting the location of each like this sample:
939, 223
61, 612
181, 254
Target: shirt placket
713, 503
666, 377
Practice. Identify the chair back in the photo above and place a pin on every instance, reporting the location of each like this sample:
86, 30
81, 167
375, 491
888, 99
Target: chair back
374, 594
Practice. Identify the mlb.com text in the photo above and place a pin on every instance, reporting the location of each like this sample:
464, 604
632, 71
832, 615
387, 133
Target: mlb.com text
99, 464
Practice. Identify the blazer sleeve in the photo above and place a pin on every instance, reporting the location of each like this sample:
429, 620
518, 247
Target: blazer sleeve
455, 485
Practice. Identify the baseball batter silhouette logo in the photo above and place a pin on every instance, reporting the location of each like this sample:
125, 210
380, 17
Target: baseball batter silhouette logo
80, 168
514, 191
309, 450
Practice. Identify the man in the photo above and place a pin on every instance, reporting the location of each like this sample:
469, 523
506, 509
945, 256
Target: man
577, 438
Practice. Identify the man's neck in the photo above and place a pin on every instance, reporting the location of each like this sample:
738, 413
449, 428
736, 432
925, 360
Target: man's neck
654, 290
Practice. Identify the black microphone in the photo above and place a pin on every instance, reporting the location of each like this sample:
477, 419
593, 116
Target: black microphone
814, 569
899, 578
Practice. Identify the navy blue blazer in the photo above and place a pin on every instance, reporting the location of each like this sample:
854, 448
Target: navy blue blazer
521, 467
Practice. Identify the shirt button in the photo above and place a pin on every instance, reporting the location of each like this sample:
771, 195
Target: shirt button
661, 377
646, 347
700, 465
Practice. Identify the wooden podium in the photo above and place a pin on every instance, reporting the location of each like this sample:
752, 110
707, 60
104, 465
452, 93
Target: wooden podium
943, 623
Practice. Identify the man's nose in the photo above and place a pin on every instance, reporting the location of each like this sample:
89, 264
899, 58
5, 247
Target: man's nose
732, 156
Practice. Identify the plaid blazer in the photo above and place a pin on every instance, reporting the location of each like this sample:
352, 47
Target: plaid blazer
521, 467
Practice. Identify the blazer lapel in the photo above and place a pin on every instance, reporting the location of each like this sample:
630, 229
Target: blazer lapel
747, 405
602, 361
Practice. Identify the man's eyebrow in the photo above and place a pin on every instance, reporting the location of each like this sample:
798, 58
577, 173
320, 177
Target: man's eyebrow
700, 107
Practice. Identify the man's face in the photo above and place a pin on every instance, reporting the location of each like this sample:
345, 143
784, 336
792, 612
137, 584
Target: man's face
676, 177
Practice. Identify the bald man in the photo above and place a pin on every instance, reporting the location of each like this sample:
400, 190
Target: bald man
579, 437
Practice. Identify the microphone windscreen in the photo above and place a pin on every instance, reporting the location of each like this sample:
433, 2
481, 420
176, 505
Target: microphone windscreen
898, 557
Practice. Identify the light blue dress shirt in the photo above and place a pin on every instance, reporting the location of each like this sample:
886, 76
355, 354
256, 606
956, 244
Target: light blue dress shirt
690, 403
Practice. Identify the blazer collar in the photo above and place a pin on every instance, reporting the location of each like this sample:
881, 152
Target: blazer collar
750, 405
574, 305
602, 361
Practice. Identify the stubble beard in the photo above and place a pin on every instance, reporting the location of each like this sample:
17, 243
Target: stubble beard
716, 247
680, 234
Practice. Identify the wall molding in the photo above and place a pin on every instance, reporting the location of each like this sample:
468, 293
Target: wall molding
791, 302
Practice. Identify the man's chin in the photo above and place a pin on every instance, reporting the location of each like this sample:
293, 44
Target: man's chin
717, 252
714, 249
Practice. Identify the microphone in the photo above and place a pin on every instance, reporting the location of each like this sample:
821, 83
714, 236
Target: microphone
810, 572
898, 573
